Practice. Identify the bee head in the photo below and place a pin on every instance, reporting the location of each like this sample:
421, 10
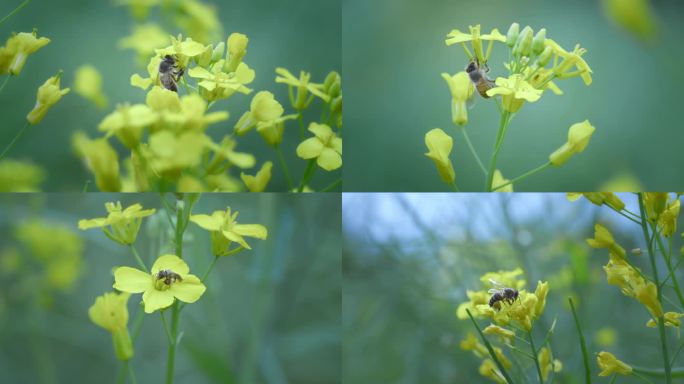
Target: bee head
472, 66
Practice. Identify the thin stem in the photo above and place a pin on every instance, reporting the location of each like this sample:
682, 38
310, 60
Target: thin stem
635, 374
300, 119
131, 374
661, 320
17, 9
536, 360
211, 266
583, 345
141, 263
612, 379
121, 376
454, 187
171, 358
523, 176
674, 357
310, 168
490, 349
11, 144
505, 116
675, 372
520, 351
166, 327
4, 83
332, 185
283, 164
473, 151
668, 261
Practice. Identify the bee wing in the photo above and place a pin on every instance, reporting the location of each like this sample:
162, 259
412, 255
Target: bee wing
496, 284
471, 102
493, 291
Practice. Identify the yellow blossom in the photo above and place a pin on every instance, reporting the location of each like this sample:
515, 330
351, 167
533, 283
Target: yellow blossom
500, 180
439, 148
470, 343
489, 370
325, 147
610, 365
667, 221
546, 365
671, 320
599, 198
635, 16
128, 122
226, 151
225, 229
475, 39
514, 91
541, 292
101, 159
505, 334
258, 182
272, 130
199, 20
263, 108
604, 239
48, 95
145, 39
237, 49
569, 60
303, 86
110, 312
120, 225
88, 83
17, 49
153, 72
20, 176
461, 89
169, 279
170, 154
579, 135
215, 84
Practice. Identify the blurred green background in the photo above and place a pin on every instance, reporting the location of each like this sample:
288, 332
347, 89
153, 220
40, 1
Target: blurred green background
408, 260
394, 53
297, 35
270, 315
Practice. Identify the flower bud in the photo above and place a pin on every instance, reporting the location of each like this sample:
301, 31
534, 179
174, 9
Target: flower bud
538, 41
17, 49
578, 139
123, 346
237, 49
217, 54
545, 57
512, 35
523, 47
439, 145
48, 95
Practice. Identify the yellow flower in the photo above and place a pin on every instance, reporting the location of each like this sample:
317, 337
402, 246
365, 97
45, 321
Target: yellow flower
101, 159
48, 95
169, 279
514, 278
170, 154
88, 83
599, 198
636, 16
198, 20
153, 72
263, 108
647, 294
470, 343
546, 364
111, 313
325, 147
272, 131
17, 49
604, 239
500, 180
237, 49
302, 100
225, 229
258, 182
128, 122
655, 203
671, 320
609, 365
19, 176
475, 39
579, 135
215, 84
439, 148
505, 334
514, 91
489, 370
667, 221
123, 223
226, 151
145, 39
475, 299
461, 89
541, 292
182, 49
569, 60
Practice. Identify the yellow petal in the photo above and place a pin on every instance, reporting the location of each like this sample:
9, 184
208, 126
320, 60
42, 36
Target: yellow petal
189, 290
155, 299
251, 230
232, 236
131, 280
171, 262
310, 148
329, 159
210, 223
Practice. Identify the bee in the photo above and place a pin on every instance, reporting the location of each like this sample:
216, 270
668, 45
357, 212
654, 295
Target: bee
170, 73
169, 276
478, 75
501, 294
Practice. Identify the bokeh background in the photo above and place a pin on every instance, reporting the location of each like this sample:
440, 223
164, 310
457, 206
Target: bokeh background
298, 35
270, 315
408, 260
394, 53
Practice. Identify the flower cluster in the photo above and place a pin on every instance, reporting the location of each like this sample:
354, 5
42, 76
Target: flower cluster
535, 63
20, 176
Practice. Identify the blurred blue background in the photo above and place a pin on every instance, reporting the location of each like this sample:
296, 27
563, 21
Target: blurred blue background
270, 315
408, 260
297, 35
394, 53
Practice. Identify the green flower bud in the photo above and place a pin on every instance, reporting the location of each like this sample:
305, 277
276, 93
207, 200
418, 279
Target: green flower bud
523, 47
545, 57
123, 347
512, 35
217, 54
538, 41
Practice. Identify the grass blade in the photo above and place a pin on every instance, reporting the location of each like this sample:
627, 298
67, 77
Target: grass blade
491, 350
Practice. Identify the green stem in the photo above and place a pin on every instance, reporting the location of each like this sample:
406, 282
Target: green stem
310, 168
131, 374
141, 263
675, 372
283, 164
4, 83
503, 123
166, 327
332, 185
668, 261
536, 359
211, 266
612, 379
171, 358
473, 151
11, 144
651, 255
490, 349
300, 119
523, 176
583, 345
17, 9
454, 187
121, 376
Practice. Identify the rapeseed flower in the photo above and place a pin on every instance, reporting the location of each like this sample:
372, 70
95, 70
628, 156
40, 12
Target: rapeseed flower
514, 91
17, 49
439, 148
111, 313
88, 84
610, 365
120, 225
258, 182
48, 95
225, 229
579, 135
325, 147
